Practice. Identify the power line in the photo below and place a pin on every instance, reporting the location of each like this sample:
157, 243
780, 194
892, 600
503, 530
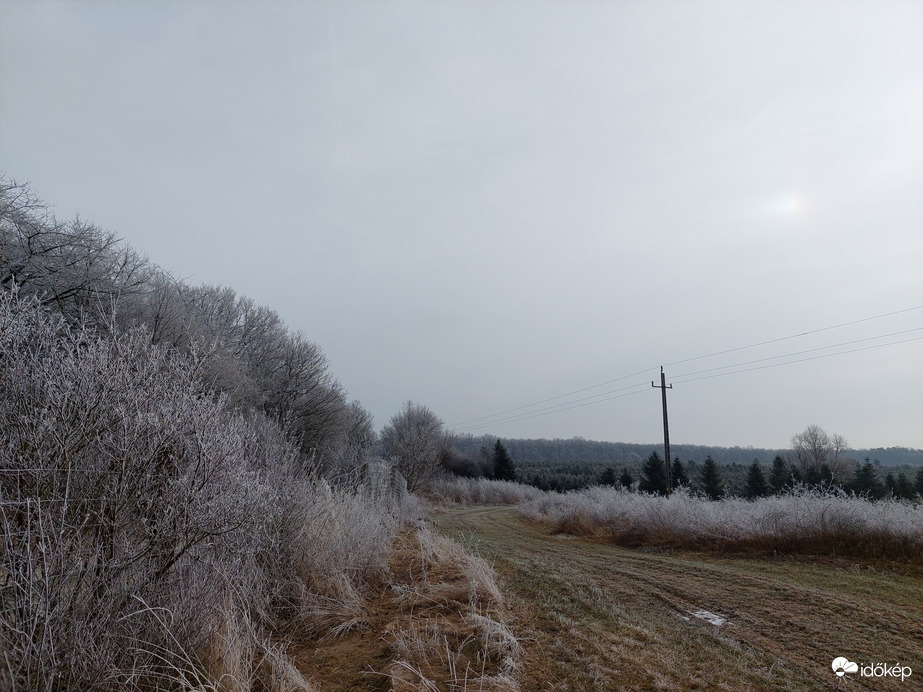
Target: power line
798, 353
559, 396
566, 406
795, 336
487, 420
559, 408
484, 421
800, 360
556, 409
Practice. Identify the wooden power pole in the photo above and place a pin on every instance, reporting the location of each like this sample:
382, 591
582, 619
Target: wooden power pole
666, 426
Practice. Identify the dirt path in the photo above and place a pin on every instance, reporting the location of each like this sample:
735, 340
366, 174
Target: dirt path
594, 616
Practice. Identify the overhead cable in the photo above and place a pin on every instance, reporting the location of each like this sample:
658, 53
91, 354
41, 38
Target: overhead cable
557, 409
799, 360
501, 417
795, 336
798, 353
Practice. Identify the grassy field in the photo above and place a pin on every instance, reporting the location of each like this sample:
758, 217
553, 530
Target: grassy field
594, 616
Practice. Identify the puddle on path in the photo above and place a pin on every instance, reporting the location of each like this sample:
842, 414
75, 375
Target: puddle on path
714, 619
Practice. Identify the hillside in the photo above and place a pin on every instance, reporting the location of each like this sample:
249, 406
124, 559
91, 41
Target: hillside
535, 452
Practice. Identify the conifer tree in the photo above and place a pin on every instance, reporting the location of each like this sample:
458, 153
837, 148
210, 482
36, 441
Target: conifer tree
653, 476
607, 477
811, 476
626, 479
710, 479
866, 481
890, 484
756, 482
504, 469
918, 485
903, 488
679, 473
780, 476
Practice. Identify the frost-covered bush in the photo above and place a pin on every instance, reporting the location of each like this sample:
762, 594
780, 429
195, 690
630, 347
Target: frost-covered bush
802, 521
150, 536
244, 350
481, 491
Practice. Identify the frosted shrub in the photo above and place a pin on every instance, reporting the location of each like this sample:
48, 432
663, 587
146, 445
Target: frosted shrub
803, 521
333, 544
150, 536
481, 491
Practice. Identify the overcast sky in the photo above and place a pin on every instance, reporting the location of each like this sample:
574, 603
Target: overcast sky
482, 205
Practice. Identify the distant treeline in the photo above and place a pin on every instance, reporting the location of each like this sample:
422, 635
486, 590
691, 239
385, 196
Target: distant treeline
574, 464
541, 452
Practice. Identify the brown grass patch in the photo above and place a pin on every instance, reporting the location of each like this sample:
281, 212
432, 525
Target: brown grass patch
437, 623
576, 523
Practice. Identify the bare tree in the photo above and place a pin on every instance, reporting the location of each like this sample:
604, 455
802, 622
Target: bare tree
303, 395
359, 436
260, 364
160, 308
416, 439
814, 449
74, 265
244, 350
347, 445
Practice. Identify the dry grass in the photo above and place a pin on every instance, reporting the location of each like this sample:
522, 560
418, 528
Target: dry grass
437, 623
481, 491
801, 522
455, 638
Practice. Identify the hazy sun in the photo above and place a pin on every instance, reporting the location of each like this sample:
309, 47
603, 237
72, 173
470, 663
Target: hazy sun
788, 205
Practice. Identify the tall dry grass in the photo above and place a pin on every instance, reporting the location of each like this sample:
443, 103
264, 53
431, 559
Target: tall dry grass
481, 491
151, 537
456, 638
804, 521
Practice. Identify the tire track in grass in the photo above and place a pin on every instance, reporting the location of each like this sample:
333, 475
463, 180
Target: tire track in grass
597, 616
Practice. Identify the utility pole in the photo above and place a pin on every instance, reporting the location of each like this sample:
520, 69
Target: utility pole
666, 427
